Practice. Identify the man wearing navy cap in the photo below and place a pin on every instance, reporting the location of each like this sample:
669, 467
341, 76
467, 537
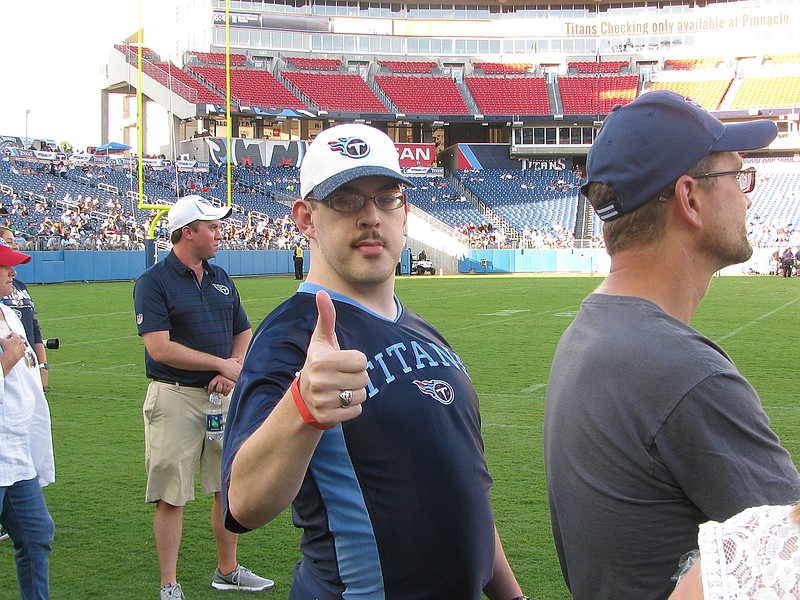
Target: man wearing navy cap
357, 412
649, 427
195, 333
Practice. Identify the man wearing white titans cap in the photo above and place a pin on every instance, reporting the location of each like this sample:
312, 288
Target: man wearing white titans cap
649, 427
357, 412
195, 333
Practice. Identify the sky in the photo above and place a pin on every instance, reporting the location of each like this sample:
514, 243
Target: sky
52, 54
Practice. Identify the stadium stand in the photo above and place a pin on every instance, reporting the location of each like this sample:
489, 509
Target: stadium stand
170, 76
314, 64
510, 95
692, 64
492, 68
218, 58
596, 94
423, 95
534, 200
590, 67
129, 49
782, 59
767, 92
252, 87
345, 92
410, 66
709, 93
439, 198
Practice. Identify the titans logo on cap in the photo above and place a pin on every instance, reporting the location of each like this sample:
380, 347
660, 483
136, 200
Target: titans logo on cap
351, 147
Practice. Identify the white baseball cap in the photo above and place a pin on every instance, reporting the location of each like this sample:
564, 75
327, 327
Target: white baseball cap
345, 153
194, 208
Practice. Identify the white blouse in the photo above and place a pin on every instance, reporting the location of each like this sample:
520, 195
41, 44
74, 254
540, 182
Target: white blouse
26, 443
752, 555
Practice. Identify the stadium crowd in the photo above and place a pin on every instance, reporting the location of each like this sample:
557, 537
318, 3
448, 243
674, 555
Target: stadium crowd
101, 220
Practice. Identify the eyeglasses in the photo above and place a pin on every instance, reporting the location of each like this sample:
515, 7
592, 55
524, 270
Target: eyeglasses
745, 177
348, 203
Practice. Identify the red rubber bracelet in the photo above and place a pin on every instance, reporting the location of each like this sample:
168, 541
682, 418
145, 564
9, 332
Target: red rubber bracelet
303, 409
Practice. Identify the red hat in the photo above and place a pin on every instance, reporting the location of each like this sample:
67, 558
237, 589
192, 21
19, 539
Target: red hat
11, 258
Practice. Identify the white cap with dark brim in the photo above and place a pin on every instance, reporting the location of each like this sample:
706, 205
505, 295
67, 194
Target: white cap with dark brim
347, 152
194, 208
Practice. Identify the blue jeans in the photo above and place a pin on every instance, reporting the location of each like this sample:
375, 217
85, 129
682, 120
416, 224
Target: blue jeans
24, 515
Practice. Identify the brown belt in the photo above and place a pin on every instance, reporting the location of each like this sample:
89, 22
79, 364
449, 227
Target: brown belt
179, 384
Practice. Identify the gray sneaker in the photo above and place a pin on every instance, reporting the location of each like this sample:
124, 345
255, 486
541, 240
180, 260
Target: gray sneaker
3, 534
172, 592
241, 579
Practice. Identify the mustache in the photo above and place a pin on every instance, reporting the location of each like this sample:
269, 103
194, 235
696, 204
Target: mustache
369, 235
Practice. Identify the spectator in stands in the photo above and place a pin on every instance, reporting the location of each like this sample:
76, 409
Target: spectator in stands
22, 304
633, 466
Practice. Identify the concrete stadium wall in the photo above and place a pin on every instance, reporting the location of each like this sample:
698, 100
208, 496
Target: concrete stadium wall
536, 260
87, 265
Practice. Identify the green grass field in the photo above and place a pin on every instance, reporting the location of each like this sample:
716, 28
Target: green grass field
505, 328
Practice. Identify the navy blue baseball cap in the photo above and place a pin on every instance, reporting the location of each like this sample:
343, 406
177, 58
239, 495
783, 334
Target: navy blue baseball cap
645, 145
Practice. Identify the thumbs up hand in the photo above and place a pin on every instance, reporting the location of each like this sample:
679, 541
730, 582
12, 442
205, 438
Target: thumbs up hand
330, 372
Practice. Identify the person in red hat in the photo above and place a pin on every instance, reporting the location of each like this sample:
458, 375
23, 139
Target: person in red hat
26, 452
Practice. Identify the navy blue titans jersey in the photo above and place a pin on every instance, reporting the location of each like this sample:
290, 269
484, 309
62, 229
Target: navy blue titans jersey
395, 503
202, 316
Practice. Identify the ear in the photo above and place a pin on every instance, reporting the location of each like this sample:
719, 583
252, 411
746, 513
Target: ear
688, 202
303, 217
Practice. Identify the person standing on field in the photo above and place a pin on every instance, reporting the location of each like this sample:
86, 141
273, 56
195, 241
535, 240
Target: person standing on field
195, 333
649, 427
357, 412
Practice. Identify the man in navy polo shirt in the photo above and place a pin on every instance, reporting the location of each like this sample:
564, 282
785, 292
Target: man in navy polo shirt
356, 411
195, 332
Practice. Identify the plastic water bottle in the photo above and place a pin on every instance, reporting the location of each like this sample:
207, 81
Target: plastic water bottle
214, 426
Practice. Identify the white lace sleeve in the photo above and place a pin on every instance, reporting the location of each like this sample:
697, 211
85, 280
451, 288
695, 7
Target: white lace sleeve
752, 555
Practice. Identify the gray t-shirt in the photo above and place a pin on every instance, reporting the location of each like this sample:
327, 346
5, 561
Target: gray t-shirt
649, 430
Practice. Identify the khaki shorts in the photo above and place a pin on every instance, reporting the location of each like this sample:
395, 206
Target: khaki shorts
175, 441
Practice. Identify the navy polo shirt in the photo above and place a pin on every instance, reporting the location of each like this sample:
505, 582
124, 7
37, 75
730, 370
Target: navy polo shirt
202, 316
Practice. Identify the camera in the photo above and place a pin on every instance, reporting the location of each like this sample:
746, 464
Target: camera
52, 343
